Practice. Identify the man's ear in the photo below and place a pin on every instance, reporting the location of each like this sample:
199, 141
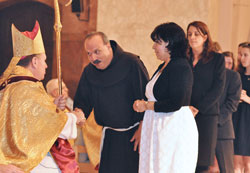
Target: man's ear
54, 92
109, 45
34, 62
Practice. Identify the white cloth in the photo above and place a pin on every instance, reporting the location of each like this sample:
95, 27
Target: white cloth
70, 103
70, 129
169, 141
48, 165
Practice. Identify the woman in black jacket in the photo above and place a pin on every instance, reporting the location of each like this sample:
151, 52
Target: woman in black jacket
209, 80
169, 138
241, 118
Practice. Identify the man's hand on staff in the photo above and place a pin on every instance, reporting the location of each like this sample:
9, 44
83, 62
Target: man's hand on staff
60, 102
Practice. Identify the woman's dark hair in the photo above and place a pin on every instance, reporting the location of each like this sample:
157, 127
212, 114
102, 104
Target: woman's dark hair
202, 28
240, 68
231, 55
26, 60
244, 44
174, 35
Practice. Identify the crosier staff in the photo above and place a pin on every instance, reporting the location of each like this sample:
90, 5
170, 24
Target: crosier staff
58, 28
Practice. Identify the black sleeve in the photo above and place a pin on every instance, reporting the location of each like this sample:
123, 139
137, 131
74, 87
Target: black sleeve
232, 99
140, 79
82, 97
212, 97
180, 89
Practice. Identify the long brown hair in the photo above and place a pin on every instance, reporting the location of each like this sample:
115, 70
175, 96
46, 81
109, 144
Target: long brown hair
240, 68
202, 28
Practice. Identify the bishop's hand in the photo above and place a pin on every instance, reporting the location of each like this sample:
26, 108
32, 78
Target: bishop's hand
80, 116
60, 102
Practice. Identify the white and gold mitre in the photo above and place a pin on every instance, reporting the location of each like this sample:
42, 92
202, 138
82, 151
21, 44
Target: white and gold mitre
27, 43
24, 44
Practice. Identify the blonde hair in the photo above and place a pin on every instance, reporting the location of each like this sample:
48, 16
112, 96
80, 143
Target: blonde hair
52, 85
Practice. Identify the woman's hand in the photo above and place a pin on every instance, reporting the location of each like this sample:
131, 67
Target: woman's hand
194, 110
244, 97
140, 105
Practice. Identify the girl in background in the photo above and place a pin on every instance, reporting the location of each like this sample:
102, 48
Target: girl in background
241, 118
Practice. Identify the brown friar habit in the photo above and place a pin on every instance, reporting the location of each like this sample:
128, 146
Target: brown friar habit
111, 93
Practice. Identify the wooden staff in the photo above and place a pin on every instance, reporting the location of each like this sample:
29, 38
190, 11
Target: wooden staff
58, 28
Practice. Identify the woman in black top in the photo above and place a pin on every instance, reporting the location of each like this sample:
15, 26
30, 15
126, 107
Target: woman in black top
209, 79
241, 118
169, 138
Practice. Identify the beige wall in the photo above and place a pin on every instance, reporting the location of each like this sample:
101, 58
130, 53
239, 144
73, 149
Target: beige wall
241, 23
234, 23
130, 22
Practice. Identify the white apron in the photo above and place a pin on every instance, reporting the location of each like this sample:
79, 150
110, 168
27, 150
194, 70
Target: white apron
169, 141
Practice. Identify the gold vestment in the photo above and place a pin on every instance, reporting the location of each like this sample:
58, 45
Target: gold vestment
92, 133
29, 122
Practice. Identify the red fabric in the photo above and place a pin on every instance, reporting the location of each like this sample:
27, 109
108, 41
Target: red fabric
23, 57
16, 79
33, 33
97, 167
64, 156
